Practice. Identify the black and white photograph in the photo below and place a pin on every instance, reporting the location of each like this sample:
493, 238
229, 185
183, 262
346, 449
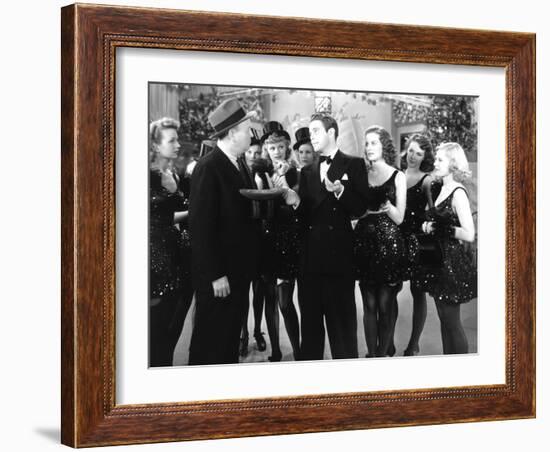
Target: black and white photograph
310, 224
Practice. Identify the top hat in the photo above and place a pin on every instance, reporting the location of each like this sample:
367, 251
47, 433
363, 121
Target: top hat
255, 138
274, 127
227, 115
302, 136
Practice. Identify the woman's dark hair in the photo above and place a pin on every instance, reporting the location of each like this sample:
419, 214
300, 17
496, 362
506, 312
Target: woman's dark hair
388, 148
424, 143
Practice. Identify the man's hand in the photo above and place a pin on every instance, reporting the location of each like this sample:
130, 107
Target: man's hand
221, 287
335, 187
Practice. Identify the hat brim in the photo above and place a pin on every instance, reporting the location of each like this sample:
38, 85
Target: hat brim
299, 143
249, 115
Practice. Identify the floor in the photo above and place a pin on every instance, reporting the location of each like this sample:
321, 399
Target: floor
430, 341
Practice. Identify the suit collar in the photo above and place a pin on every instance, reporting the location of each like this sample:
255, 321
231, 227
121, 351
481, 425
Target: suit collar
227, 166
338, 167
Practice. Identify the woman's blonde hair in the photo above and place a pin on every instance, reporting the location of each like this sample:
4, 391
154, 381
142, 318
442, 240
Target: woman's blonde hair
458, 163
155, 133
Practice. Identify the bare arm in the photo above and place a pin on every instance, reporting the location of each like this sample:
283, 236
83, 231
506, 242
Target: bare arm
461, 204
397, 212
427, 189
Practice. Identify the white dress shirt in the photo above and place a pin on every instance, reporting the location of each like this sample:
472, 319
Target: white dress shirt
324, 166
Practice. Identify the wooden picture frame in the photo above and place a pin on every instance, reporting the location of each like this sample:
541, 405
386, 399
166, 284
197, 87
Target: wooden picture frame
90, 37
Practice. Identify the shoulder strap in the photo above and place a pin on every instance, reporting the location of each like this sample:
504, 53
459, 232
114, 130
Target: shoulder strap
458, 188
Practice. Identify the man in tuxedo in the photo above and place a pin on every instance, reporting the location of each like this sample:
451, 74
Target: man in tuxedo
224, 239
331, 192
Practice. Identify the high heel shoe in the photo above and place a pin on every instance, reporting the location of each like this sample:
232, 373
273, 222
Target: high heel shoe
243, 347
391, 350
411, 351
260, 341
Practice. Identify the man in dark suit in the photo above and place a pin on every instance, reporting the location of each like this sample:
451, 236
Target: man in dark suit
331, 192
223, 239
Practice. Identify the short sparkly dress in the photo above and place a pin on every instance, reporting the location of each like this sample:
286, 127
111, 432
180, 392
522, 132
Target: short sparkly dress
167, 253
456, 281
415, 215
288, 234
380, 249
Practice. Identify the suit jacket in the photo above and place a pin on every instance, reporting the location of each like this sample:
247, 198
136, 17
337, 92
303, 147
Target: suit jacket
328, 235
224, 238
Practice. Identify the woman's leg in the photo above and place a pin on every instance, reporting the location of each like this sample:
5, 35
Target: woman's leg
420, 311
449, 315
370, 317
258, 291
272, 319
285, 290
385, 295
180, 314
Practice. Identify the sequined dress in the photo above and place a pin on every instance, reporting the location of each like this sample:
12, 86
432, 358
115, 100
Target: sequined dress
456, 280
380, 248
415, 215
167, 253
280, 238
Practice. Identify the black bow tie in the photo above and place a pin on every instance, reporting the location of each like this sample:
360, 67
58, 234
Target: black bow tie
328, 160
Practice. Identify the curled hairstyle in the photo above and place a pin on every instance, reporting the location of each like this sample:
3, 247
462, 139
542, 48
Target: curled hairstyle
424, 143
155, 133
276, 138
156, 128
328, 122
458, 163
388, 148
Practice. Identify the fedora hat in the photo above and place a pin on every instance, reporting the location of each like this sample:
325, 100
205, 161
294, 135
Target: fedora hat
274, 127
227, 115
302, 136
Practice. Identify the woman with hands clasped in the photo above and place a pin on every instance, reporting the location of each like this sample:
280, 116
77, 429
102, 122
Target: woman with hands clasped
450, 220
380, 247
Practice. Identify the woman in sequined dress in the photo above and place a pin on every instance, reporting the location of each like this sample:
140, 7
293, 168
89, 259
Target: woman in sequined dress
170, 291
281, 251
418, 161
380, 247
450, 220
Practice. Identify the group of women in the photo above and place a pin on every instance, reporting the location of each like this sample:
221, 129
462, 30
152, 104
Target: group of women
425, 198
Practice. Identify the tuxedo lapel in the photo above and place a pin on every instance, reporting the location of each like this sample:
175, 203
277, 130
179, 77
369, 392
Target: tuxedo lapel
338, 167
318, 190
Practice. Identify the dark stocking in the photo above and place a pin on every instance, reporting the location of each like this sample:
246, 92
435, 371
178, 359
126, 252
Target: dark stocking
285, 291
419, 317
258, 304
272, 319
386, 315
370, 317
452, 333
